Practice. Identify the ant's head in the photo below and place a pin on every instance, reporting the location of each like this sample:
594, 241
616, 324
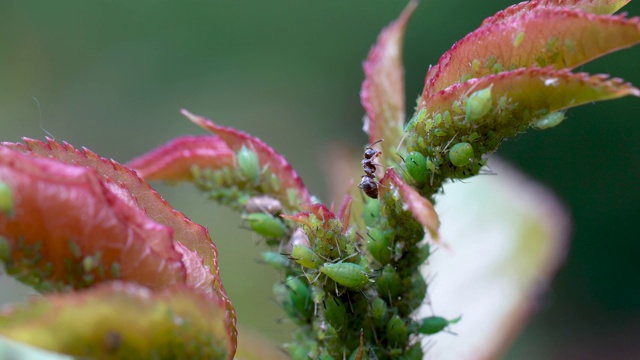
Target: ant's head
370, 152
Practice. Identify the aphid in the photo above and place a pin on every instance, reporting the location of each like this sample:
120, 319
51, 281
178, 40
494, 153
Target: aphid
249, 164
264, 204
434, 324
368, 184
6, 199
461, 154
397, 333
349, 275
549, 120
266, 225
305, 257
478, 104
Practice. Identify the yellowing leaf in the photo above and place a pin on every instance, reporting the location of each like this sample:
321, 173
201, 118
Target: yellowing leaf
123, 320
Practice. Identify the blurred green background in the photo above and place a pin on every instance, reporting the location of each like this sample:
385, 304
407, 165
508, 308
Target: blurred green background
112, 76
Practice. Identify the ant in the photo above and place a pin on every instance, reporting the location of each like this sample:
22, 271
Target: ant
368, 184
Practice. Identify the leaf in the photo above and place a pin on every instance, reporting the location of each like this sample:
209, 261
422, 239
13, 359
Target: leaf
600, 7
173, 161
506, 236
123, 320
382, 93
69, 229
534, 89
291, 188
421, 208
195, 237
557, 37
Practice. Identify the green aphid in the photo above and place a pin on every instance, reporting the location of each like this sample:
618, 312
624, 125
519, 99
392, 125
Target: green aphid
379, 311
550, 120
397, 333
249, 165
6, 199
88, 264
434, 324
115, 270
371, 212
275, 260
335, 312
305, 257
478, 104
416, 165
266, 225
497, 68
299, 298
349, 275
379, 245
414, 353
457, 109
417, 118
461, 154
465, 77
518, 39
475, 65
491, 60
389, 282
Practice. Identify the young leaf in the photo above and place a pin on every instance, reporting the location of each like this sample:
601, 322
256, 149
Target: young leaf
68, 229
556, 37
421, 208
267, 157
174, 160
382, 93
535, 89
123, 320
600, 7
195, 237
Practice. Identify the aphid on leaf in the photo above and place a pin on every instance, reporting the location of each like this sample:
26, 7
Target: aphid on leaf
368, 184
549, 120
6, 199
478, 104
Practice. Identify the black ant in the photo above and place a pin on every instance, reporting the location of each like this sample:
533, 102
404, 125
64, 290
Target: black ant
368, 184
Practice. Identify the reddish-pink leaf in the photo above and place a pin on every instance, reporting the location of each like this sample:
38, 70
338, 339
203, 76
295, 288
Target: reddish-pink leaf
345, 212
195, 237
267, 157
558, 37
124, 320
382, 93
174, 160
68, 228
601, 7
421, 208
532, 90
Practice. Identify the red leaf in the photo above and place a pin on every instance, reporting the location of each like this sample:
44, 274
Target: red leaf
421, 208
535, 89
174, 160
602, 7
267, 157
69, 228
382, 93
193, 236
558, 37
